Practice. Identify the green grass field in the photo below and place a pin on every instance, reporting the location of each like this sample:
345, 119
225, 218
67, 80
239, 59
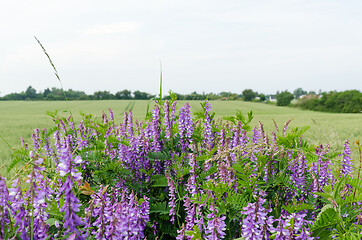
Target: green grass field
19, 119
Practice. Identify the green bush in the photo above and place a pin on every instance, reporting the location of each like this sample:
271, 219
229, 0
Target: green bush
284, 98
344, 102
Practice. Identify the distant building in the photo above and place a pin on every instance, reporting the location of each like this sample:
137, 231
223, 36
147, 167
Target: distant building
272, 98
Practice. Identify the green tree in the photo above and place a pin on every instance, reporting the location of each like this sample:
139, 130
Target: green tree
124, 94
249, 95
299, 92
30, 93
103, 95
284, 98
142, 95
46, 92
262, 97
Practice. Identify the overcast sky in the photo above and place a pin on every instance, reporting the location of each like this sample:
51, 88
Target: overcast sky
204, 46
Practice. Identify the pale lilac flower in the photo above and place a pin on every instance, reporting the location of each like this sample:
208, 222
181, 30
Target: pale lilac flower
130, 123
111, 115
131, 218
208, 136
67, 169
256, 224
256, 135
155, 129
216, 226
36, 140
190, 214
346, 161
185, 126
286, 127
172, 191
299, 231
167, 120
4, 206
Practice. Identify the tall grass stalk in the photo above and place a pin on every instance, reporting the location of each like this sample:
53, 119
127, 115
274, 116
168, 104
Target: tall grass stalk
160, 81
55, 72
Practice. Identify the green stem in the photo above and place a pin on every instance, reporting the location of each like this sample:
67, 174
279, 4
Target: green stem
6, 142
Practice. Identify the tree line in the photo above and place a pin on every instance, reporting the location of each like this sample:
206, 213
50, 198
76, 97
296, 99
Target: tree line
347, 102
56, 94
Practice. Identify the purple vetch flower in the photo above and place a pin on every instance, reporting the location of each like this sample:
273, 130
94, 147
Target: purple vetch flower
111, 115
22, 141
130, 123
325, 171
236, 139
190, 214
154, 227
102, 210
67, 169
131, 218
172, 190
256, 135
144, 213
298, 169
191, 183
346, 161
81, 140
216, 226
293, 226
263, 133
321, 170
185, 126
57, 142
286, 127
124, 124
281, 232
40, 195
18, 209
71, 123
104, 118
43, 195
182, 234
167, 120
223, 173
274, 137
208, 136
47, 146
4, 206
36, 140
256, 224
155, 128
62, 125
222, 139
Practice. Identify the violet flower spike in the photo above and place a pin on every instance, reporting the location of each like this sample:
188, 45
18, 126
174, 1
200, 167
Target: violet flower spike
216, 226
66, 168
346, 161
172, 191
208, 127
167, 120
256, 224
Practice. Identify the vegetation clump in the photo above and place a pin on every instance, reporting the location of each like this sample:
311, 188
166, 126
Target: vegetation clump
343, 102
178, 176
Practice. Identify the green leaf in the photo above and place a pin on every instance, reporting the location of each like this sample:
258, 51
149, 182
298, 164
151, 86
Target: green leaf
51, 221
159, 181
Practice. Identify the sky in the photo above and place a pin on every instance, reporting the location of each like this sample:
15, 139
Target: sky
203, 45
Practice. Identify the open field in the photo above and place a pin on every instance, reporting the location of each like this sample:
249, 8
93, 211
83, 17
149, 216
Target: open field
19, 119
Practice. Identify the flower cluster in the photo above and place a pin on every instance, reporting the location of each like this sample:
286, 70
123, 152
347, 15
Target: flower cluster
175, 176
